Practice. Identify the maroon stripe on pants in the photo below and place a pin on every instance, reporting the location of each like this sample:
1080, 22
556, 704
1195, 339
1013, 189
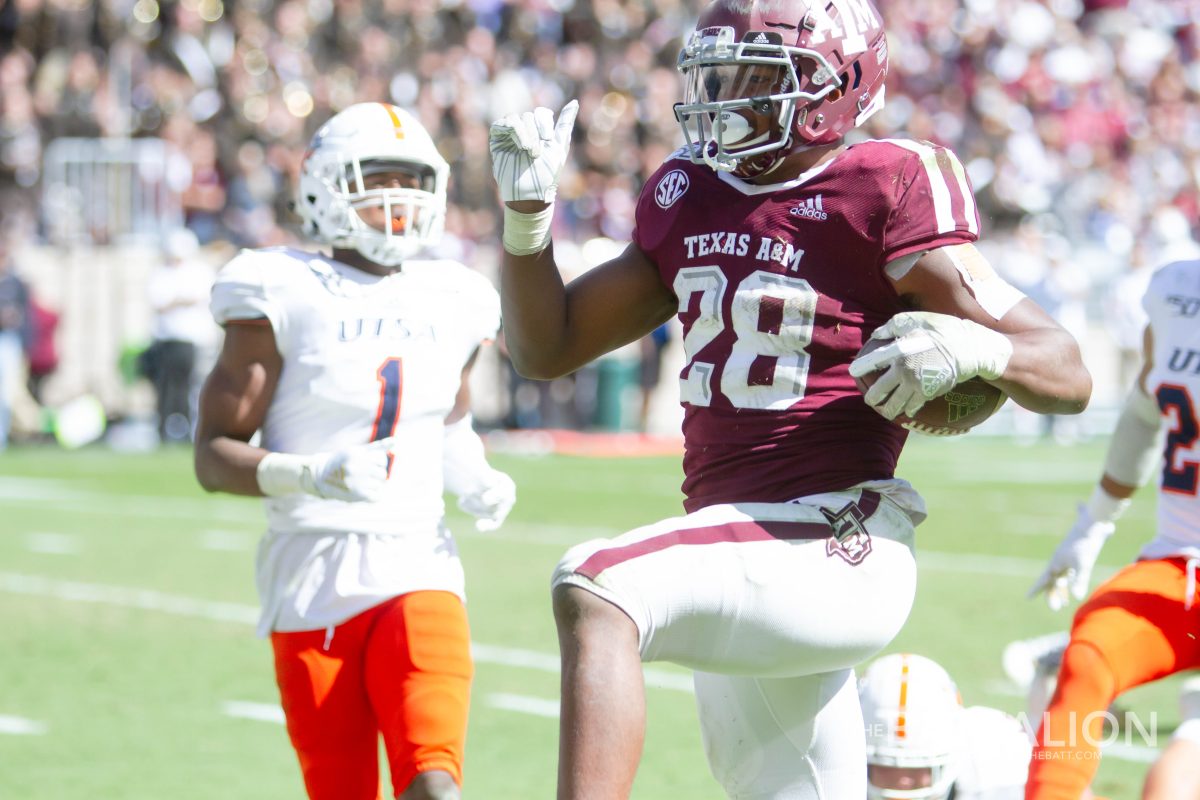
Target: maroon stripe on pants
748, 531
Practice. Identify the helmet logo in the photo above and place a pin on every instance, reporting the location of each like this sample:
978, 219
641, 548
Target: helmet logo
854, 18
672, 187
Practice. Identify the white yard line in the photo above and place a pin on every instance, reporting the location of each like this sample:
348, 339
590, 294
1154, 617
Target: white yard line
260, 712
227, 541
53, 544
19, 726
150, 600
522, 704
272, 713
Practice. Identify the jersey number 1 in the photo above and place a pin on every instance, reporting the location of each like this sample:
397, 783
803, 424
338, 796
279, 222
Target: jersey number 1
391, 384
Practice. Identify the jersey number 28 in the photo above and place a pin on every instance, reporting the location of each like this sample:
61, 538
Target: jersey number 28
772, 319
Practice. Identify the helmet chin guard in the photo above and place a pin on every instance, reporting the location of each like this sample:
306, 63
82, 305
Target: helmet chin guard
765, 78
363, 140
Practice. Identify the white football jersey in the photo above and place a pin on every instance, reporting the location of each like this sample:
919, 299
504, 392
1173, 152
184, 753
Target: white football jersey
993, 761
1172, 303
364, 357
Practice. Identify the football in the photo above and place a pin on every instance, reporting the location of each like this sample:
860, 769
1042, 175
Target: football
953, 413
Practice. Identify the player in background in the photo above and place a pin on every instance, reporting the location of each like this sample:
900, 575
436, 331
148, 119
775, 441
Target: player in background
354, 368
923, 745
1033, 664
782, 250
1140, 625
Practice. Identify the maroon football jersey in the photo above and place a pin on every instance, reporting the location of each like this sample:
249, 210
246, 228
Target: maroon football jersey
779, 286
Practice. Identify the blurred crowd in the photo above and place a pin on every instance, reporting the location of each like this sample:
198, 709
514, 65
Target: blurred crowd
1084, 112
1078, 121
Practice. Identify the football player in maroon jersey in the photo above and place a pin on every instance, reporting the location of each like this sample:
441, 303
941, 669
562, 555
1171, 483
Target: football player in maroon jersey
782, 250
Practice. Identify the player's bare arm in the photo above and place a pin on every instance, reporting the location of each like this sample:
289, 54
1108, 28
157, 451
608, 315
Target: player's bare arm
552, 329
233, 405
1045, 371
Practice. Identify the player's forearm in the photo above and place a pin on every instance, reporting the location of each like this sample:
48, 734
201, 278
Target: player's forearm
1046, 373
228, 465
534, 303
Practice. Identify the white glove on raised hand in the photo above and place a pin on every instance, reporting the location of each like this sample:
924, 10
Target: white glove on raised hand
929, 354
1070, 567
356, 474
491, 503
529, 150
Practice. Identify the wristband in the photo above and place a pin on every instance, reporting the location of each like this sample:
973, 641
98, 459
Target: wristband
285, 473
992, 348
527, 234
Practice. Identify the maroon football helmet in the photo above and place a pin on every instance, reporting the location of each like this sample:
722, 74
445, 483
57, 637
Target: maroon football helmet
764, 77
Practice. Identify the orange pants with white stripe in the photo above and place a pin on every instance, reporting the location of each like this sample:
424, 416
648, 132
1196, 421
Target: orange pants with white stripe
401, 670
1138, 627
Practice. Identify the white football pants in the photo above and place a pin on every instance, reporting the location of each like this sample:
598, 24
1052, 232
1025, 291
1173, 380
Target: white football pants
773, 610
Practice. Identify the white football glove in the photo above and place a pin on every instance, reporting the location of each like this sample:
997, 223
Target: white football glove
491, 503
356, 474
929, 354
1070, 567
529, 151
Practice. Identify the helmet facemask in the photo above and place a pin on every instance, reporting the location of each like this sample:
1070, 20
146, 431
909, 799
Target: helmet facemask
932, 775
741, 99
341, 201
411, 217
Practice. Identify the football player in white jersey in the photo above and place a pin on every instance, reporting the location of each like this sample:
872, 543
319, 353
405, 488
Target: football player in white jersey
1140, 625
923, 745
354, 368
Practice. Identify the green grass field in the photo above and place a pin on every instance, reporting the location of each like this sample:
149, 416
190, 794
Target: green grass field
127, 603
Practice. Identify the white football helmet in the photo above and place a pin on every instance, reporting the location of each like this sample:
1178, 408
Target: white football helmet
366, 139
913, 717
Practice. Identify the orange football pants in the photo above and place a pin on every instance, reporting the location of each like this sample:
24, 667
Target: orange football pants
1132, 630
401, 669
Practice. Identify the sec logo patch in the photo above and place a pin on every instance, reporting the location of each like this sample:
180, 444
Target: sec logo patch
672, 187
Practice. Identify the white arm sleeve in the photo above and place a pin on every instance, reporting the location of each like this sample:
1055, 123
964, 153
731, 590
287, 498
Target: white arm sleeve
1137, 442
